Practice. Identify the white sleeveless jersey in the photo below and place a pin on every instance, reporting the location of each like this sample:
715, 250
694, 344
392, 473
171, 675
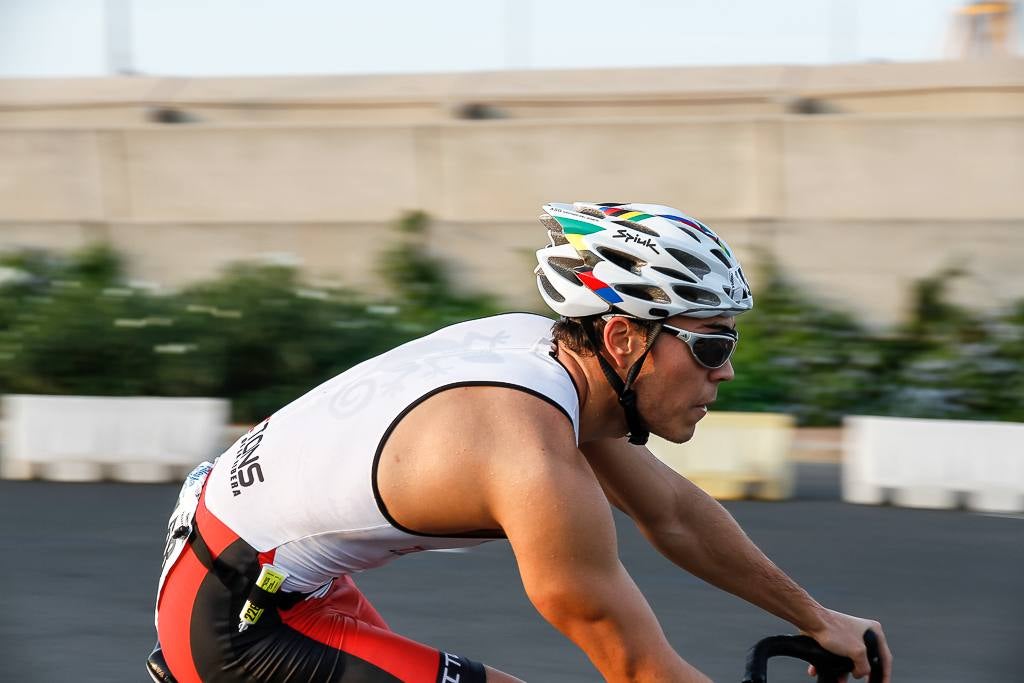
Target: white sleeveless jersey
303, 481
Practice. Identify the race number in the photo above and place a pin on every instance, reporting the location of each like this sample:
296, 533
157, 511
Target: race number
180, 525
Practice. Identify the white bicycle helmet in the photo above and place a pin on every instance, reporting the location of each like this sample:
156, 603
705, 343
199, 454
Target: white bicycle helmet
644, 260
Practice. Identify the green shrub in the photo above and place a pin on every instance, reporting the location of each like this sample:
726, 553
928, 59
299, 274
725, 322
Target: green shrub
265, 338
261, 337
257, 335
69, 326
800, 357
420, 284
956, 364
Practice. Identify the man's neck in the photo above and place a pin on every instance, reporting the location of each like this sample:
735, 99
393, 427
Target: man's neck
601, 416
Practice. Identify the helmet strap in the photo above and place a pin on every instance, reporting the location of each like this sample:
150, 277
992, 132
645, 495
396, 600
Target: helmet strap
638, 432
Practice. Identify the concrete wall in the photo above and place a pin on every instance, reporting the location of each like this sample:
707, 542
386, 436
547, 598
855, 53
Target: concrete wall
820, 168
964, 87
855, 206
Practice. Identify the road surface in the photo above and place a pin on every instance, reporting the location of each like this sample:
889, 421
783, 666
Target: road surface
80, 564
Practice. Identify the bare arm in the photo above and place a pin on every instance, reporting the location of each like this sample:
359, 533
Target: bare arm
693, 530
698, 534
549, 503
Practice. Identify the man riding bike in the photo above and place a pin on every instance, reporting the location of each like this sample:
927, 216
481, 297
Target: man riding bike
508, 427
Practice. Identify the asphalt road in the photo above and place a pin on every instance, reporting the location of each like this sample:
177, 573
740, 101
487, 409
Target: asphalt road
80, 564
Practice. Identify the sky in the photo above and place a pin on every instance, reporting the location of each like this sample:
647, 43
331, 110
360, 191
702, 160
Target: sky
278, 37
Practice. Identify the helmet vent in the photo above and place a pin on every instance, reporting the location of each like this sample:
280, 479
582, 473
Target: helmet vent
721, 257
622, 259
549, 288
673, 273
590, 211
700, 296
557, 239
639, 227
692, 263
645, 292
590, 259
658, 312
550, 223
564, 267
688, 233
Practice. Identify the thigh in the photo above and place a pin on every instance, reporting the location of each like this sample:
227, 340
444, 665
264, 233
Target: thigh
338, 637
345, 621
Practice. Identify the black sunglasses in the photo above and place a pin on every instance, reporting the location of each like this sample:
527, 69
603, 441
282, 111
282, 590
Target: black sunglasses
710, 350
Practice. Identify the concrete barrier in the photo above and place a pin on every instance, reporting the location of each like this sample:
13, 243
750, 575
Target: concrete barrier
85, 438
934, 463
735, 455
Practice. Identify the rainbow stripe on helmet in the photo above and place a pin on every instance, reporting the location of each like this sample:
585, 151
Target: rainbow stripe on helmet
627, 215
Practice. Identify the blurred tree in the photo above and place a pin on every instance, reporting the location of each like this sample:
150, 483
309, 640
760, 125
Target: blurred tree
261, 337
268, 339
73, 329
951, 363
425, 295
798, 356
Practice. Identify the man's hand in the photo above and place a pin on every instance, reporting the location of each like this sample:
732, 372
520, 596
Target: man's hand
843, 634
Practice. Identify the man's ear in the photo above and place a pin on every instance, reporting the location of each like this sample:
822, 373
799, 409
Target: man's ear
622, 342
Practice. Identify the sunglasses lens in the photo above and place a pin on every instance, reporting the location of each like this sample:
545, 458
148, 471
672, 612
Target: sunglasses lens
713, 353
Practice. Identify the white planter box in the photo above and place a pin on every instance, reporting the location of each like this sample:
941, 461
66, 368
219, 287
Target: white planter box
86, 438
934, 463
733, 455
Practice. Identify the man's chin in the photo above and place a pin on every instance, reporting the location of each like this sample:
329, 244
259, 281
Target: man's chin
680, 434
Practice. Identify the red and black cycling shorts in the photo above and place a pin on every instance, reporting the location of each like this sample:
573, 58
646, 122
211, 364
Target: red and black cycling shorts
336, 637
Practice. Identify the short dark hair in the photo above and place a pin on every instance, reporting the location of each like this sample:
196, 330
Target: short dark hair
569, 332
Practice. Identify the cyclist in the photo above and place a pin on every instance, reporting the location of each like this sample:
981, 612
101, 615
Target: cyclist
508, 427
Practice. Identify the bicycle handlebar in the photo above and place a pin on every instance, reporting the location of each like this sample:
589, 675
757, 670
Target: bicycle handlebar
829, 666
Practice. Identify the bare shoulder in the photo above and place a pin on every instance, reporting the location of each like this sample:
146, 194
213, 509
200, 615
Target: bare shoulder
486, 419
466, 446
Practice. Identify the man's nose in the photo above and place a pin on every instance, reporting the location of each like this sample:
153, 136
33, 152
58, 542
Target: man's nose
722, 374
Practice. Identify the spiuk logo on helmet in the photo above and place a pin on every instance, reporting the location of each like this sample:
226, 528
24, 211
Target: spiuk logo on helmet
645, 260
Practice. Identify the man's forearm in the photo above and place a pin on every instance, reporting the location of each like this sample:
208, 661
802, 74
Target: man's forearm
705, 540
